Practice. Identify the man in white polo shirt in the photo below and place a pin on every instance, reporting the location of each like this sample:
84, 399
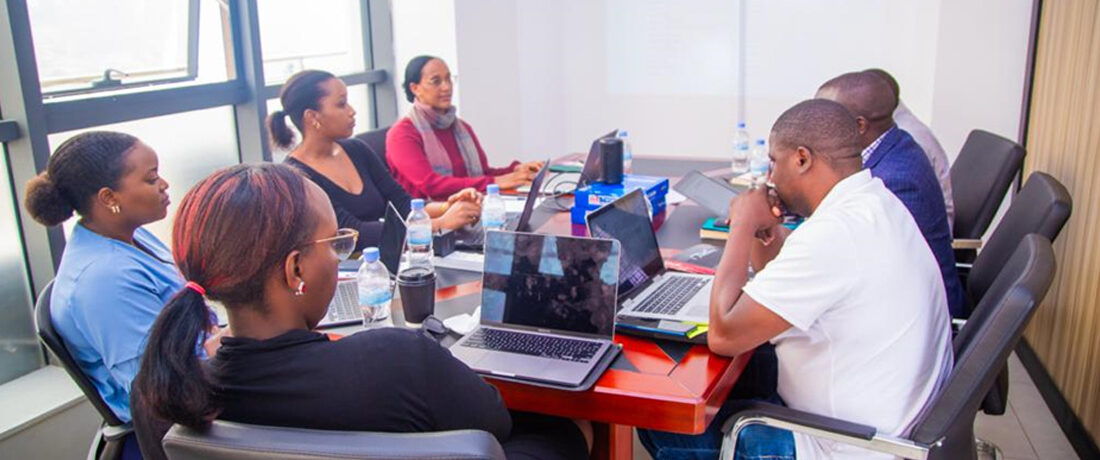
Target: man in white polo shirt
853, 301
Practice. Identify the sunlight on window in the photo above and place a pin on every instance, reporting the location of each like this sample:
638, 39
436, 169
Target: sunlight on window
99, 46
328, 35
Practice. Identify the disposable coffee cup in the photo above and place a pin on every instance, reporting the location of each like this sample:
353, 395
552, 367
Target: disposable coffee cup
417, 286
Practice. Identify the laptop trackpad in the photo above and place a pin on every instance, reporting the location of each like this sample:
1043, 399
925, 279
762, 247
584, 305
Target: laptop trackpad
519, 365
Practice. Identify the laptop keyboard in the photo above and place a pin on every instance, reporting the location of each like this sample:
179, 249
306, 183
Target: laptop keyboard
559, 348
672, 295
345, 304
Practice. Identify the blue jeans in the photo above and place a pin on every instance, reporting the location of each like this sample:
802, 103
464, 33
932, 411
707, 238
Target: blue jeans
757, 383
756, 442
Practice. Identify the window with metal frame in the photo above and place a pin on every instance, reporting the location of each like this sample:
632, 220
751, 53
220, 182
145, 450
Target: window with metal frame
326, 35
94, 46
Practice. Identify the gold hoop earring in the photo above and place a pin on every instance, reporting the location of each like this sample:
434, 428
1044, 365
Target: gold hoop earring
301, 288
115, 209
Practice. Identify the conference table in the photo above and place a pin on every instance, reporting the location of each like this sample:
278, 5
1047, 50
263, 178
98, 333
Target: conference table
655, 384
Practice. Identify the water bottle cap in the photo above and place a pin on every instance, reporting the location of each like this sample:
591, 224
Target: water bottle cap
417, 204
741, 125
760, 142
370, 254
492, 189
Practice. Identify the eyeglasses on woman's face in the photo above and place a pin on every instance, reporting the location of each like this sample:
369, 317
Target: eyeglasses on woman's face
437, 81
343, 244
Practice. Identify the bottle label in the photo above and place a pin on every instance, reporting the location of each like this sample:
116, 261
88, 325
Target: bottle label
420, 235
375, 297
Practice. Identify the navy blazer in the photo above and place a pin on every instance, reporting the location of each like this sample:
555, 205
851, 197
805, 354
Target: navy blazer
904, 168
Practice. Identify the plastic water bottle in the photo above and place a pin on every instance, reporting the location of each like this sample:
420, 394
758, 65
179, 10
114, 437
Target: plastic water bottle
740, 164
628, 152
419, 247
375, 292
493, 210
758, 162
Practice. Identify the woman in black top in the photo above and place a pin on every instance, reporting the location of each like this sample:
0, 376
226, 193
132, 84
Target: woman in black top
233, 245
353, 176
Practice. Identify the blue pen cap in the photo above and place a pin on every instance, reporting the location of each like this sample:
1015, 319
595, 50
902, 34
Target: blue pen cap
417, 204
370, 254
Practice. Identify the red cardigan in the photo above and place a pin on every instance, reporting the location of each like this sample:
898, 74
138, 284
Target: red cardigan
409, 163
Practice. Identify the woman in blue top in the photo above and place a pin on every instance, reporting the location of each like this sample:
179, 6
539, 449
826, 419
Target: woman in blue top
115, 276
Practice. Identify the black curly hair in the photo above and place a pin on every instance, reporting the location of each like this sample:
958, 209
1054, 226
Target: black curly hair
76, 172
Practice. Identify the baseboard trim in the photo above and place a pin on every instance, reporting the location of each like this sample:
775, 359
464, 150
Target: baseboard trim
1075, 431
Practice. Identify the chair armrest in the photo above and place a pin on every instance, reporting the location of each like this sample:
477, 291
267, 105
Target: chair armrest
965, 243
818, 426
114, 433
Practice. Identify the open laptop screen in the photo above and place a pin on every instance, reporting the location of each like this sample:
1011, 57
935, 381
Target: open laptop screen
627, 220
393, 239
560, 283
524, 222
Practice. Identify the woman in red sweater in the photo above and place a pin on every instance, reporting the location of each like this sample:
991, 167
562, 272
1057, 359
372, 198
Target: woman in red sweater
431, 152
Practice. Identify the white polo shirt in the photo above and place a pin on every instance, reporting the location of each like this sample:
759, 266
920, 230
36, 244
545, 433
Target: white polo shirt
870, 340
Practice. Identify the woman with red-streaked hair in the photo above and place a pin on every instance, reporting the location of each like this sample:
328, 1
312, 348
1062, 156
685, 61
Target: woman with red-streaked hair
233, 245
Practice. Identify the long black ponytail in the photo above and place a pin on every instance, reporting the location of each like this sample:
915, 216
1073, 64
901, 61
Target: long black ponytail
302, 91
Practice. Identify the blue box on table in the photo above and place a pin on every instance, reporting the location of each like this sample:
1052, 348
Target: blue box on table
596, 194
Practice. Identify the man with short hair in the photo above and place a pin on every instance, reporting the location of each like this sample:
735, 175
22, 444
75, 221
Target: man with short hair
852, 300
893, 156
927, 141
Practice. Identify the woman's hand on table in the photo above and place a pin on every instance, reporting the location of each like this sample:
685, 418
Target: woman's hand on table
458, 215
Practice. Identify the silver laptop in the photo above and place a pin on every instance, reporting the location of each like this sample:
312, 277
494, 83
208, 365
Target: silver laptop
646, 288
711, 193
344, 308
547, 307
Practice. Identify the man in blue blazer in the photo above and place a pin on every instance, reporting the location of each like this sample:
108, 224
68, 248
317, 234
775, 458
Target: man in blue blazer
893, 156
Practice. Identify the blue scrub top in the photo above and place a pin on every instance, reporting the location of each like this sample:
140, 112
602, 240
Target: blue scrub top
105, 298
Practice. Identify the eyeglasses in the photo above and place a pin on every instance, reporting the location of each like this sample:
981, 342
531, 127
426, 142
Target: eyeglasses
343, 244
436, 82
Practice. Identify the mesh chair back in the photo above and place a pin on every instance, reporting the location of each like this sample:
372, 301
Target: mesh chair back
239, 441
1043, 206
980, 177
43, 322
982, 348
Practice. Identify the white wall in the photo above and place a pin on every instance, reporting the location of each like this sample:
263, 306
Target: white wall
544, 78
980, 71
423, 27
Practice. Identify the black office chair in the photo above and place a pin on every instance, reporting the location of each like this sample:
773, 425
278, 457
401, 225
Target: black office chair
1042, 206
944, 429
980, 177
108, 442
376, 141
237, 441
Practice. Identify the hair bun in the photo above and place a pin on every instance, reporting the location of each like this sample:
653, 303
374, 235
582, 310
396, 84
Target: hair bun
45, 202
